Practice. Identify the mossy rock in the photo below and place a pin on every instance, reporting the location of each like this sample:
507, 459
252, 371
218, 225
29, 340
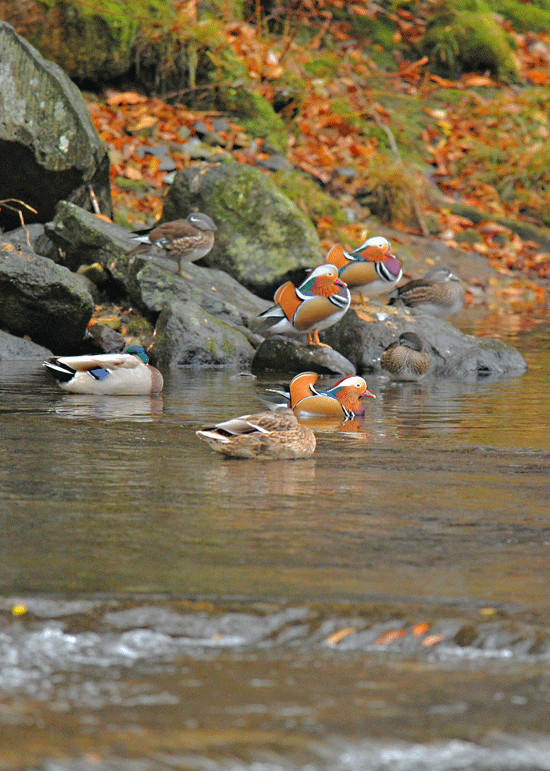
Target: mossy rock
89, 41
254, 113
468, 38
108, 39
262, 236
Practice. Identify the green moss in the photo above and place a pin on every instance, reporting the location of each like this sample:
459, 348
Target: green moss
308, 196
533, 16
467, 37
255, 114
323, 64
96, 40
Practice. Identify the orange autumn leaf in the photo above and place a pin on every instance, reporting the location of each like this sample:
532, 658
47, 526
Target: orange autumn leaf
538, 77
390, 636
125, 97
432, 639
335, 637
420, 629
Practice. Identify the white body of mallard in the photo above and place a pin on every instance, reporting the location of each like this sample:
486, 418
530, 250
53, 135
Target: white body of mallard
123, 374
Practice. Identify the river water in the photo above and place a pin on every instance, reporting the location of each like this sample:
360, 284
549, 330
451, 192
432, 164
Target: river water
382, 605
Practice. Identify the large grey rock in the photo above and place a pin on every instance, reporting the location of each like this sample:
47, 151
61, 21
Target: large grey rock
151, 283
82, 238
41, 299
152, 287
262, 236
282, 354
188, 336
14, 348
362, 336
49, 148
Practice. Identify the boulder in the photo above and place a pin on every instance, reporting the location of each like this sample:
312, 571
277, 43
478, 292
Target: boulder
14, 348
188, 336
149, 280
363, 334
282, 354
152, 287
82, 238
49, 148
262, 236
41, 299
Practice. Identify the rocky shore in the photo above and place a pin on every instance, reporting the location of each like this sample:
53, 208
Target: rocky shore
58, 273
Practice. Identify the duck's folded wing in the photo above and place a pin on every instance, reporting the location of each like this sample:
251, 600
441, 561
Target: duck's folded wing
102, 361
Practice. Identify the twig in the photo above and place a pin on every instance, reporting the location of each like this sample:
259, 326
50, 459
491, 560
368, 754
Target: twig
21, 219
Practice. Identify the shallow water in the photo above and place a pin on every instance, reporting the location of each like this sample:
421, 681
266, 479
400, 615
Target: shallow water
383, 604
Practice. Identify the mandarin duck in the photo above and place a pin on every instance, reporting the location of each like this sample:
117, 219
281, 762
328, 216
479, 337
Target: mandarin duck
406, 359
369, 270
264, 436
125, 374
317, 303
343, 398
439, 293
182, 240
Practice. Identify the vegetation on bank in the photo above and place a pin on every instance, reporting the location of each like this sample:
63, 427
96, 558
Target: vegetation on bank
431, 115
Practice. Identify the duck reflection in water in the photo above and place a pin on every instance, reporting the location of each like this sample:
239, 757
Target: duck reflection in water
137, 408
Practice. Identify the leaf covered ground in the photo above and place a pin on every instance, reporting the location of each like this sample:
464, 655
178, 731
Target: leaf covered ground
370, 125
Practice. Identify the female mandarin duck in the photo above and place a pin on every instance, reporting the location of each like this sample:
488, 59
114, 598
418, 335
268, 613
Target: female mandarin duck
369, 270
439, 293
343, 398
317, 303
406, 359
264, 436
183, 240
124, 374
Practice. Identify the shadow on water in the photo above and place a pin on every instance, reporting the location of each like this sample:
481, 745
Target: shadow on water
381, 605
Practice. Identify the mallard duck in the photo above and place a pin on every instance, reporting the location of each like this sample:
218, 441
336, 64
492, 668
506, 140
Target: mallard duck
406, 359
265, 436
125, 374
183, 240
317, 303
343, 399
369, 270
439, 293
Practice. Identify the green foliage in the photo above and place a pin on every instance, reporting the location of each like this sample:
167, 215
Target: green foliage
393, 190
308, 196
323, 65
533, 16
464, 37
96, 40
254, 113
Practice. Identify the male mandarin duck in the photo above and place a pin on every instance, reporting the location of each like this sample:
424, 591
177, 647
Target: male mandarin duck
317, 303
183, 240
406, 359
124, 374
343, 398
369, 270
439, 292
264, 436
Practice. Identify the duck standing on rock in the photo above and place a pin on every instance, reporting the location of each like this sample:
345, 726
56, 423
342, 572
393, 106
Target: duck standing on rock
439, 293
342, 399
264, 436
123, 374
317, 303
369, 270
406, 359
182, 240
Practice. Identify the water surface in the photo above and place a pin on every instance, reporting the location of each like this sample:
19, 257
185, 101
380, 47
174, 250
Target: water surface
382, 604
